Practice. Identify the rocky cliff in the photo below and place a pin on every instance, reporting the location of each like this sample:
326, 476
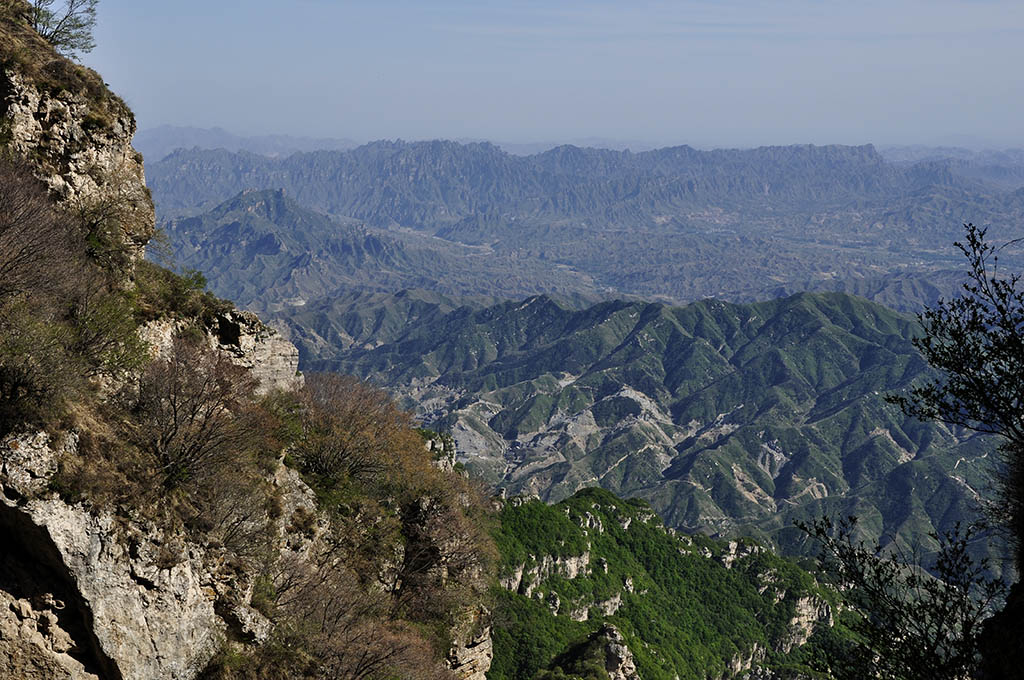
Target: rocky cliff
88, 591
76, 133
119, 565
140, 603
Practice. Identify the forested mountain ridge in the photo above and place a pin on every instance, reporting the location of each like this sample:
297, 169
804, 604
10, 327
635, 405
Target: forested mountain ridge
595, 581
730, 418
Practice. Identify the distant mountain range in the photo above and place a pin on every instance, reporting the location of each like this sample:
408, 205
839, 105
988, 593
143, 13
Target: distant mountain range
430, 185
155, 143
730, 418
398, 261
1004, 169
266, 252
676, 224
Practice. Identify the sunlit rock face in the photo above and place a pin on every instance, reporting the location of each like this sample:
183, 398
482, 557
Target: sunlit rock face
80, 146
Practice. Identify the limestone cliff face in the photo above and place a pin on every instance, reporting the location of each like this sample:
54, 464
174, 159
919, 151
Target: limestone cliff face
243, 337
618, 657
61, 118
124, 600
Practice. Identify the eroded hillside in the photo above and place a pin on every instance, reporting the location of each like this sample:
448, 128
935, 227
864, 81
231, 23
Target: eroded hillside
731, 418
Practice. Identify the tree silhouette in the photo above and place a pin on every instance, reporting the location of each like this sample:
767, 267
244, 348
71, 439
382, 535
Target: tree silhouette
977, 341
68, 27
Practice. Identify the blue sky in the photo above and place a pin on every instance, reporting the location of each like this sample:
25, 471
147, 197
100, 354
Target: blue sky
724, 73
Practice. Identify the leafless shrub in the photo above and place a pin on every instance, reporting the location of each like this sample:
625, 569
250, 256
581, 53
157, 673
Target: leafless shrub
67, 27
344, 627
115, 220
194, 411
350, 429
233, 507
36, 253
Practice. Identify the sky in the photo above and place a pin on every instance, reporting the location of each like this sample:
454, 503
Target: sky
714, 73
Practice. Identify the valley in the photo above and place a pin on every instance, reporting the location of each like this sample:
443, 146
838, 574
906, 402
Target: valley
507, 299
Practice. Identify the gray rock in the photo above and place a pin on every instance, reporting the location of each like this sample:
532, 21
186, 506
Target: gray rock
82, 163
146, 621
618, 658
472, 649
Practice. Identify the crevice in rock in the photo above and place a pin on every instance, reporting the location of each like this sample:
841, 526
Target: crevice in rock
31, 568
228, 332
142, 580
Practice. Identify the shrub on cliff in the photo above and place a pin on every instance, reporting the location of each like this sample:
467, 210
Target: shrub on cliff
161, 293
194, 412
63, 319
357, 449
350, 429
68, 26
403, 552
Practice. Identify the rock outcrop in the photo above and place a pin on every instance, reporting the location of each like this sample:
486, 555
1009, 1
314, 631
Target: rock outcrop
144, 603
87, 592
811, 612
33, 644
618, 657
60, 117
271, 359
525, 578
245, 339
472, 648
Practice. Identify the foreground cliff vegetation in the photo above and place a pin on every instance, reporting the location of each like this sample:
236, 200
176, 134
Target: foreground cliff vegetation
368, 579
397, 551
40, 61
65, 320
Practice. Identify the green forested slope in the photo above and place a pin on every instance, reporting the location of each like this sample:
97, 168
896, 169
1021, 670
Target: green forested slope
732, 418
686, 606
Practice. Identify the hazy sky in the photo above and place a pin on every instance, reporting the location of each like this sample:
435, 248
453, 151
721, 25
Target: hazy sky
721, 72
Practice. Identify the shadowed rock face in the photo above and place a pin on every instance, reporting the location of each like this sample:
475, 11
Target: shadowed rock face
129, 613
45, 625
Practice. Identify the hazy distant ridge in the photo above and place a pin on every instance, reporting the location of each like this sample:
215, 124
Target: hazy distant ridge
156, 143
427, 184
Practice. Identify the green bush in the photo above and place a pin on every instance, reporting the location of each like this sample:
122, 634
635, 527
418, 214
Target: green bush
38, 373
160, 293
